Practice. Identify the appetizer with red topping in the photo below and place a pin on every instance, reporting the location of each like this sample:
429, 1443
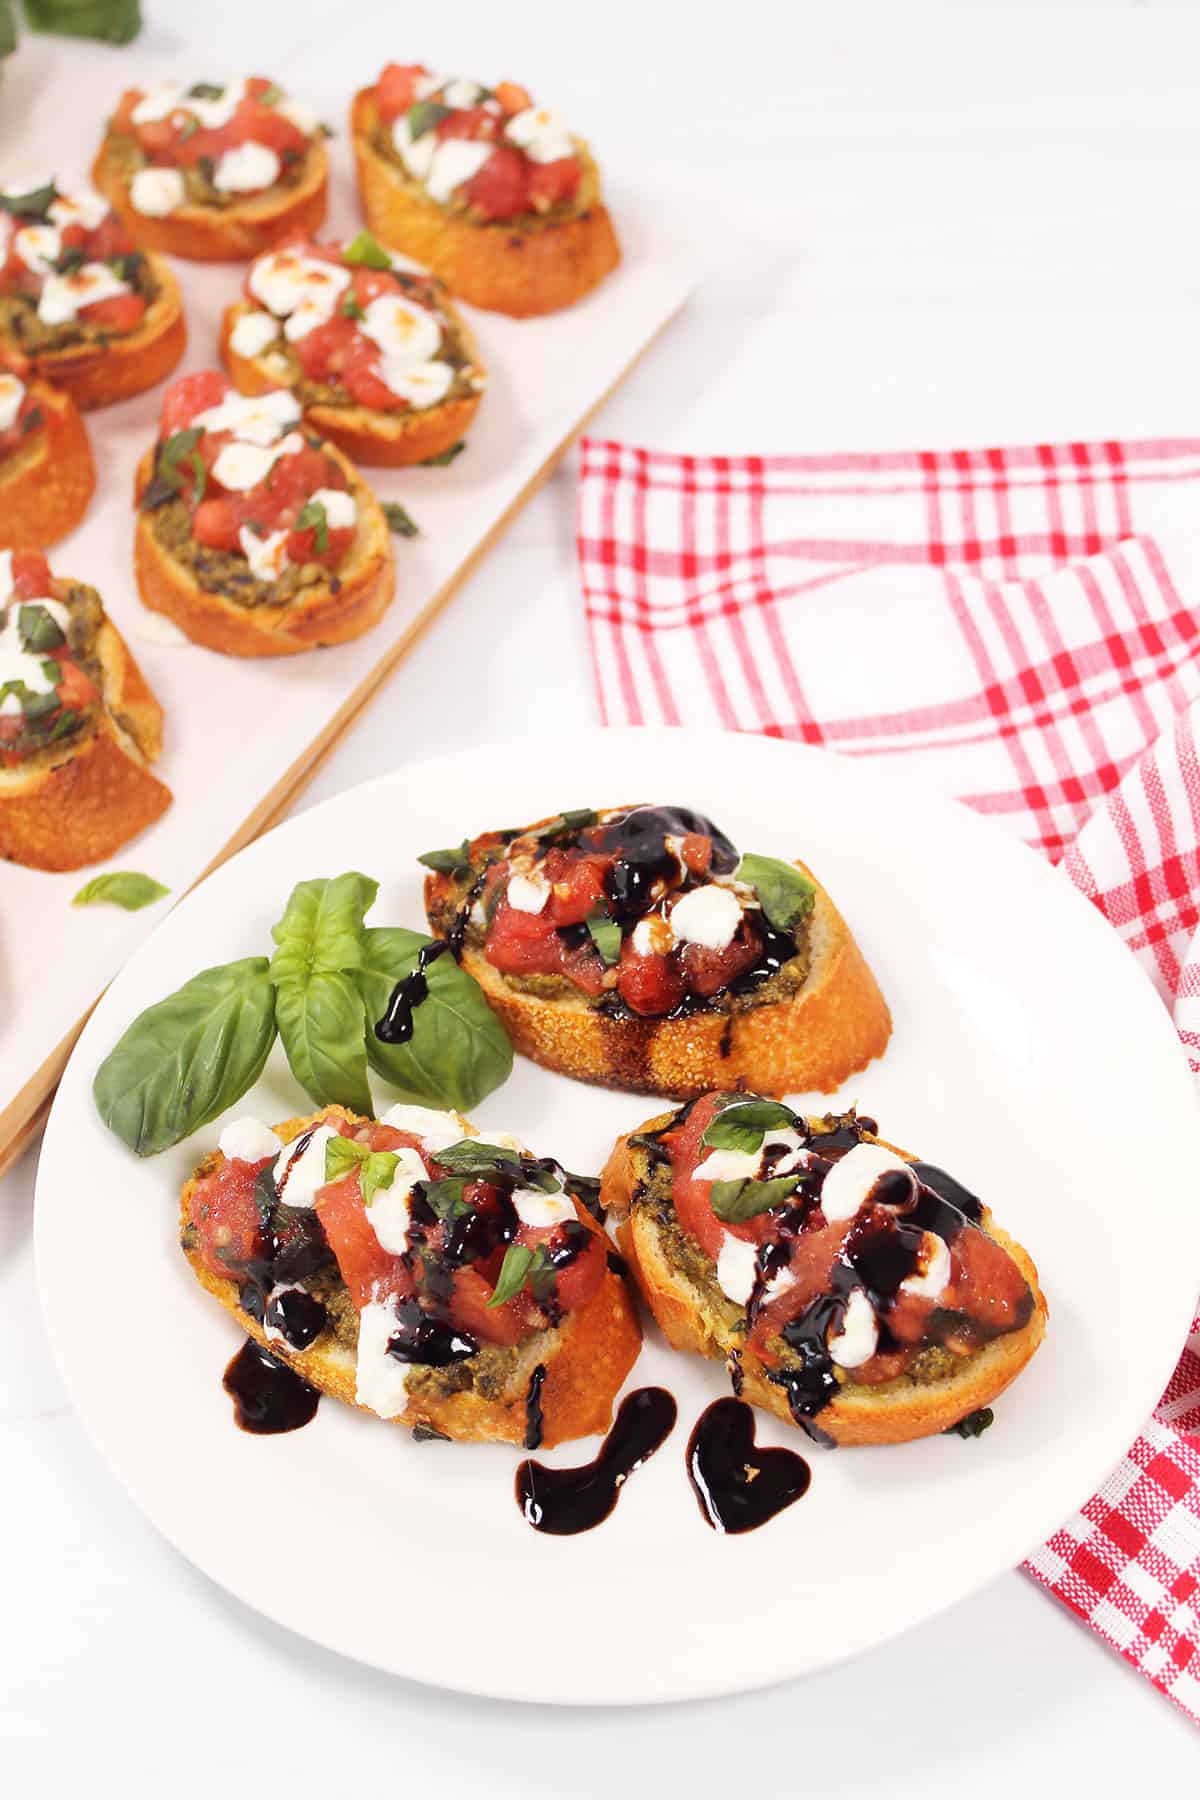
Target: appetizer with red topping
867, 1296
216, 172
452, 1283
636, 947
47, 475
253, 535
482, 186
78, 725
80, 305
377, 356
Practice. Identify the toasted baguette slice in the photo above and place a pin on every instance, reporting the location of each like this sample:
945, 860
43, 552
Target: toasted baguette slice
695, 1315
586, 1358
46, 484
101, 374
81, 806
221, 233
522, 268
392, 440
320, 615
830, 1028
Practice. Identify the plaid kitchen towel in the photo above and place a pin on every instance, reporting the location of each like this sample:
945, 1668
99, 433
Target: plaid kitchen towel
1023, 627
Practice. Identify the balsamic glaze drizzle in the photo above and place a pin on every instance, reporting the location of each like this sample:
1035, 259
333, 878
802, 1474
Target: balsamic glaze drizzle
565, 1501
396, 1025
267, 1396
739, 1486
533, 1408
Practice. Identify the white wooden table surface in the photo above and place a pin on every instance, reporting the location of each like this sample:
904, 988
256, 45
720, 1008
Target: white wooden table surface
919, 225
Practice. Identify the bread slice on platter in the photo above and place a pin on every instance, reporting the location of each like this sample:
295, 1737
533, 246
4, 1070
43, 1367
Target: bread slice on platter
687, 979
398, 1292
506, 235
78, 725
47, 475
900, 1311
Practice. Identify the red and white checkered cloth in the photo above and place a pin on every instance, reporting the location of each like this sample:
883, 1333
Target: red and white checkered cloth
1023, 626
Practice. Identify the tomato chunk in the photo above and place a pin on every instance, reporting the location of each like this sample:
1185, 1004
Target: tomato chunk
500, 189
225, 1214
123, 312
396, 89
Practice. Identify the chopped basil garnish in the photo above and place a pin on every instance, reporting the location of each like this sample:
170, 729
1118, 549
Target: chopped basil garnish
785, 895
33, 706
205, 90
736, 1201
399, 521
38, 630
743, 1125
424, 116
523, 1266
65, 724
33, 205
71, 260
605, 933
447, 456
189, 128
974, 1425
180, 448
376, 1168
449, 862
367, 252
312, 516
125, 888
157, 492
351, 309
445, 1198
566, 822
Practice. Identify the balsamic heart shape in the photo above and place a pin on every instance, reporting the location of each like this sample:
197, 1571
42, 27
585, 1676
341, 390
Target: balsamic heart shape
739, 1486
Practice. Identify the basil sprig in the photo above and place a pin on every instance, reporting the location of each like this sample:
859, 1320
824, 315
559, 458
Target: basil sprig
35, 204
605, 933
481, 1161
736, 1201
38, 630
974, 1425
33, 705
197, 1052
785, 895
376, 1168
449, 862
126, 888
180, 448
205, 90
350, 308
313, 515
367, 252
400, 520
523, 1267
423, 116
744, 1125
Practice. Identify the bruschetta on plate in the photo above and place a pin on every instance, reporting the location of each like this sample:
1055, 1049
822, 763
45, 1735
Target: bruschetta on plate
80, 304
376, 354
78, 725
214, 172
485, 188
408, 1266
47, 475
863, 1294
253, 535
636, 947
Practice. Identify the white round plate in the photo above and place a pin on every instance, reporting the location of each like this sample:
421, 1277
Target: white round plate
1030, 1057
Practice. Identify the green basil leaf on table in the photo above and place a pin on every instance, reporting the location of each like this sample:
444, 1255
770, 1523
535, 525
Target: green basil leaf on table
743, 1125
400, 521
736, 1201
458, 1052
189, 1057
322, 925
785, 895
321, 1027
109, 21
444, 457
126, 888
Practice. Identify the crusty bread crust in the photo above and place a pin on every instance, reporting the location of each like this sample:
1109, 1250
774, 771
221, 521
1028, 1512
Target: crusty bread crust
220, 234
392, 440
828, 1030
45, 486
894, 1412
101, 794
101, 374
319, 616
522, 273
586, 1358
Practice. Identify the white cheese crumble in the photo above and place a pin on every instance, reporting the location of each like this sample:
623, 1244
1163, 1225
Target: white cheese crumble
267, 556
248, 1140
64, 296
708, 916
747, 1165
421, 384
461, 93
340, 508
380, 1382
415, 153
6, 574
241, 466
157, 192
389, 1215
252, 332
304, 290
39, 247
455, 161
653, 936
300, 1172
541, 134
297, 114
527, 893
436, 1130
404, 332
83, 208
856, 1341
247, 169
539, 1211
735, 1268
12, 392
850, 1180
167, 97
934, 1278
253, 419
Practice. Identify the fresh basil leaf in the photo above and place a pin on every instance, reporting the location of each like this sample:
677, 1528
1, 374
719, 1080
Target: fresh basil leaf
321, 1026
8, 28
542, 1278
205, 90
974, 1425
445, 1197
458, 1052
367, 252
176, 449
266, 1194
110, 21
736, 1201
376, 1168
52, 671
312, 516
35, 204
605, 933
566, 822
64, 725
479, 1160
350, 309
518, 1260
157, 492
446, 456
321, 928
449, 862
189, 1057
424, 116
785, 895
33, 706
743, 1125
400, 521
125, 888
38, 630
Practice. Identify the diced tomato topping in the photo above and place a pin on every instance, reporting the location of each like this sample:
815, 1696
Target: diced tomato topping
469, 1309
301, 546
513, 97
708, 971
322, 352
651, 985
693, 1199
254, 123
30, 575
217, 523
225, 1214
473, 122
396, 89
368, 1270
123, 312
500, 189
696, 851
582, 1278
75, 689
521, 943
190, 396
553, 183
294, 478
577, 886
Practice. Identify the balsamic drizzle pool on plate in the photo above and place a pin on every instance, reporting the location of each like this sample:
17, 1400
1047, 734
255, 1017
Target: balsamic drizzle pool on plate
565, 1501
739, 1486
268, 1397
